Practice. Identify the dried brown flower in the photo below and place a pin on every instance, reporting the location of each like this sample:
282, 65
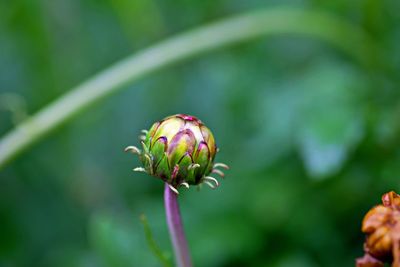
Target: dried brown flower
382, 228
368, 261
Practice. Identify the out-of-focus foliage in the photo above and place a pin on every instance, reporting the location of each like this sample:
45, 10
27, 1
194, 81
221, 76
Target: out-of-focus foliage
312, 137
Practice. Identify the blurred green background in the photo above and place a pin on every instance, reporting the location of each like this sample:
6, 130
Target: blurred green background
312, 136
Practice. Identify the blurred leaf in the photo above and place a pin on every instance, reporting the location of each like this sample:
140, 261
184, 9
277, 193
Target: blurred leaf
162, 256
319, 112
117, 243
332, 122
112, 240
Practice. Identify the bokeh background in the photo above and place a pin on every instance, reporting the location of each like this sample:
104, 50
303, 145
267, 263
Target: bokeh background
311, 135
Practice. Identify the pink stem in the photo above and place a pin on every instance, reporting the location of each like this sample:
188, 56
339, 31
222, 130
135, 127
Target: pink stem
175, 227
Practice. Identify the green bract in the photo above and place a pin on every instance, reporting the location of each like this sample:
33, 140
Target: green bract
180, 150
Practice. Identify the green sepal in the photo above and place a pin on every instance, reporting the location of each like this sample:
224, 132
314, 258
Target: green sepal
158, 149
151, 133
191, 176
183, 174
202, 157
145, 148
163, 169
182, 143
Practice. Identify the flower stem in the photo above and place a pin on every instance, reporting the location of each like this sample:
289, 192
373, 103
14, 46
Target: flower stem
175, 227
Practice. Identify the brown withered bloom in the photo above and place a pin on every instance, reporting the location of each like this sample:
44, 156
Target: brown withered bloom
382, 228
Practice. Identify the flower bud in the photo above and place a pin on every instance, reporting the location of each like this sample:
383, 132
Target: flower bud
180, 150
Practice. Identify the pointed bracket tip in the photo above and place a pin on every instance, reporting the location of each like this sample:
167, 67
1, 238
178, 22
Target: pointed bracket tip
185, 184
219, 172
193, 166
132, 149
173, 189
210, 184
139, 169
222, 165
211, 179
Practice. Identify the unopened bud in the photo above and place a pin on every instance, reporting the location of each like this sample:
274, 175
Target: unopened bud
180, 150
